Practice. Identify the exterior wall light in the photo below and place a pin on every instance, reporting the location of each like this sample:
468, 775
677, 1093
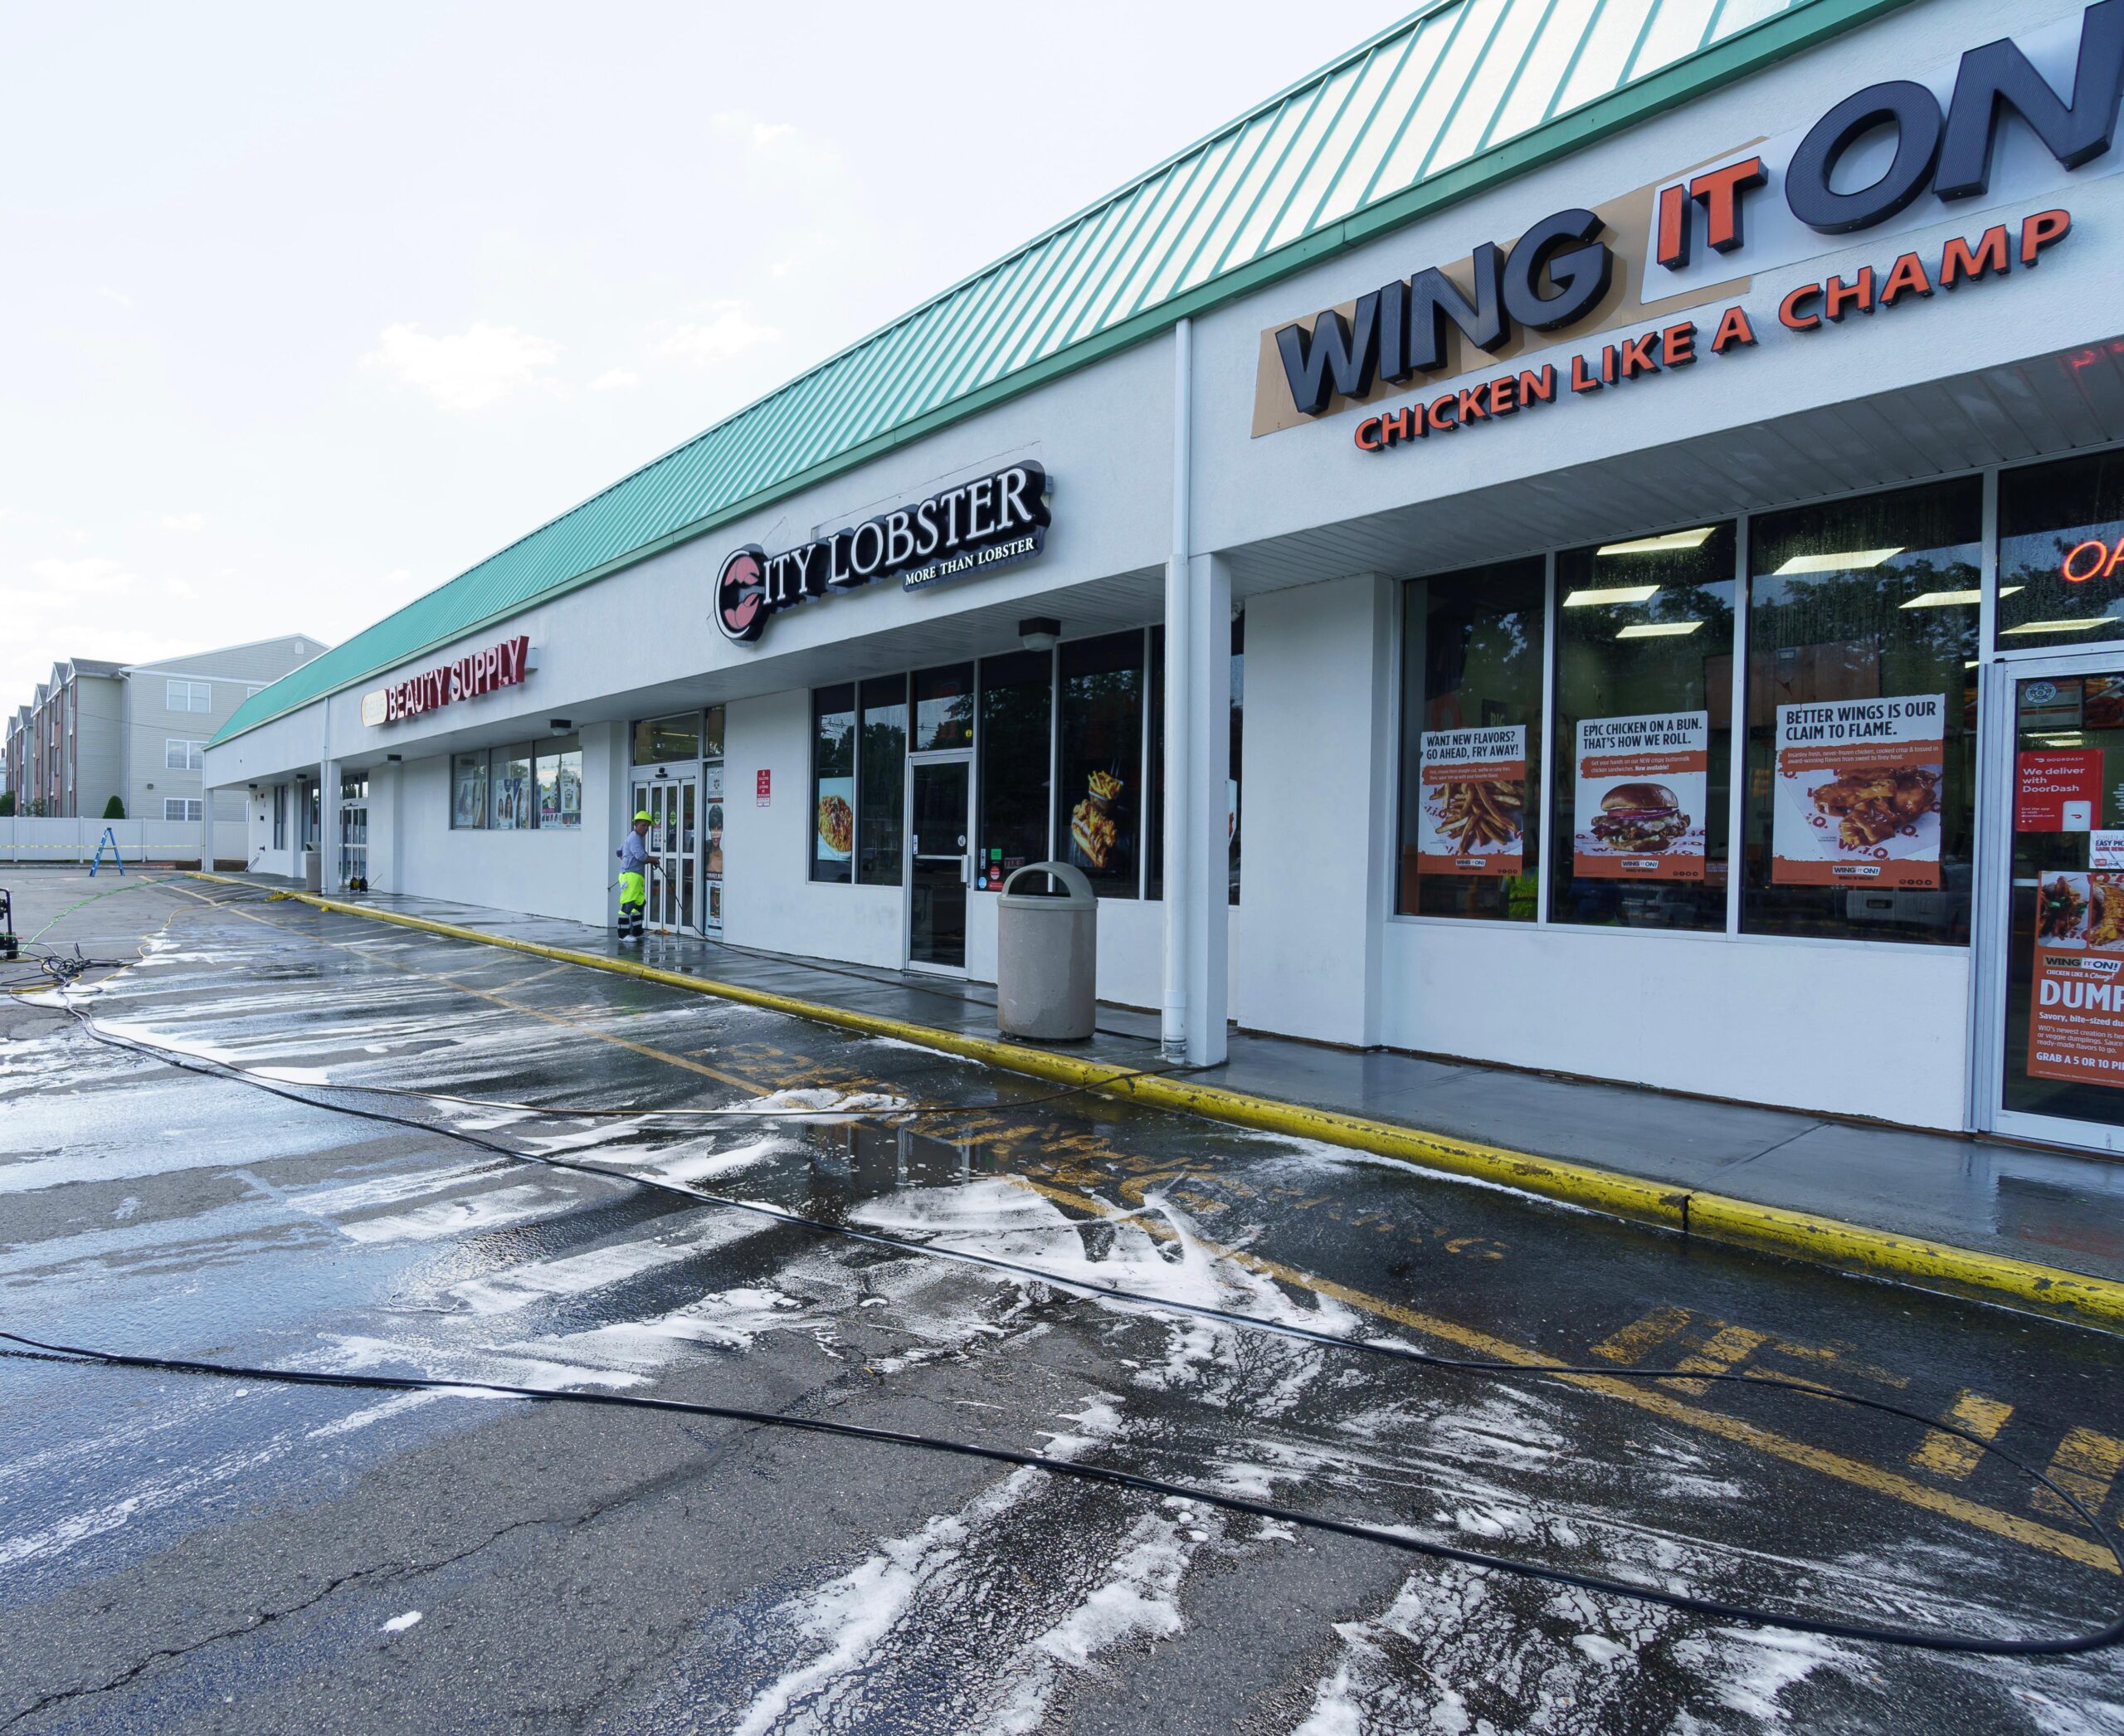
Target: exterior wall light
1039, 632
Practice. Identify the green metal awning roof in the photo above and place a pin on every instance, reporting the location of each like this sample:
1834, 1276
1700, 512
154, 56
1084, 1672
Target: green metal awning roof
1457, 97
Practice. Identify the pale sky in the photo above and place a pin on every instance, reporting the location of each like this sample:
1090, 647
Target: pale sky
307, 308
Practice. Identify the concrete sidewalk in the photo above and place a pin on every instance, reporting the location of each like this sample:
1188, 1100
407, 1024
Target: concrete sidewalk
1988, 1196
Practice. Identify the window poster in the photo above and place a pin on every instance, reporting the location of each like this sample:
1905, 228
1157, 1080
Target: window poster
1473, 801
2075, 1002
1857, 794
1643, 789
836, 819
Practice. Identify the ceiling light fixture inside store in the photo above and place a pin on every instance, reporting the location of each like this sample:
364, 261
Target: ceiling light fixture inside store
1953, 599
1660, 545
2058, 627
1849, 560
1608, 598
1659, 629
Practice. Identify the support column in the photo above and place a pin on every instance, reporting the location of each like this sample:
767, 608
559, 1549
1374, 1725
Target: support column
1178, 818
328, 825
1205, 893
206, 830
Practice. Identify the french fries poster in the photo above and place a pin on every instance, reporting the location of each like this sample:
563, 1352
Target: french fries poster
1858, 792
2076, 1003
1643, 789
1474, 801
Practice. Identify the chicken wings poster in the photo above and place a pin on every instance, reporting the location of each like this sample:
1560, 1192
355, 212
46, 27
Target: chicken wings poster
1857, 796
1643, 789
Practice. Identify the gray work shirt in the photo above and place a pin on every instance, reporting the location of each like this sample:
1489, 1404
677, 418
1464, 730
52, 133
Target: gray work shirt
633, 854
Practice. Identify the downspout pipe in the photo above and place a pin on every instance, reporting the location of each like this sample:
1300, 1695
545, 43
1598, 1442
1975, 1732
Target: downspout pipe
1179, 636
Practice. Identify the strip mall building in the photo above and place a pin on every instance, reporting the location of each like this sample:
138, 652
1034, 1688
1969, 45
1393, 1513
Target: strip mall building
1584, 537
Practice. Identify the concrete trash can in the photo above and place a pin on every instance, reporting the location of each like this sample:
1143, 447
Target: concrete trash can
1047, 958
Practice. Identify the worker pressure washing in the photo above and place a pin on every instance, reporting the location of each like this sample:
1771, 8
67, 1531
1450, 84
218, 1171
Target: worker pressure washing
636, 865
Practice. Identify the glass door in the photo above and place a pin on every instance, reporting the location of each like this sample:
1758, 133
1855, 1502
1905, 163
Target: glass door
671, 804
2061, 1058
939, 813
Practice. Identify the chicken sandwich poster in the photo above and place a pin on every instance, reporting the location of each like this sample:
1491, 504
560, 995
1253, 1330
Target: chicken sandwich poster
1644, 788
1857, 798
1473, 801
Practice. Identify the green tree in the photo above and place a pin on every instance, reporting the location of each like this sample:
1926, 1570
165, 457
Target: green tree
115, 809
6, 803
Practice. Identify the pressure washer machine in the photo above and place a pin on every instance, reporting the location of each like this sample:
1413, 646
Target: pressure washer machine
10, 948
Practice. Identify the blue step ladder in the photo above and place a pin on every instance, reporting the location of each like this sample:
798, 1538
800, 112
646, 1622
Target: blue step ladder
108, 842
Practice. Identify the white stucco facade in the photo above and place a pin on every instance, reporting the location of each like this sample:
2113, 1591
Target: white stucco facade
1320, 541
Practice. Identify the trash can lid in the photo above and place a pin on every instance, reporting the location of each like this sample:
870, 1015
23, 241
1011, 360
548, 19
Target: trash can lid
1076, 889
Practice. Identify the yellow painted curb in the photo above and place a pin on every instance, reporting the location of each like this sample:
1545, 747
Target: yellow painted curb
2075, 1296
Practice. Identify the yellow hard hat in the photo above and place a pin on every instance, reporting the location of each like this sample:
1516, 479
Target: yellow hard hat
645, 817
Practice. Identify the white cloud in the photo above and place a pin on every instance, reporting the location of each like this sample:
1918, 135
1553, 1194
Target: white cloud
185, 521
615, 380
465, 371
94, 576
727, 331
119, 296
750, 129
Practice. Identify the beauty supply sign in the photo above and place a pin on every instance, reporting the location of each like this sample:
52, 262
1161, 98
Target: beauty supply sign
1858, 793
2076, 1001
497, 667
1644, 789
1472, 801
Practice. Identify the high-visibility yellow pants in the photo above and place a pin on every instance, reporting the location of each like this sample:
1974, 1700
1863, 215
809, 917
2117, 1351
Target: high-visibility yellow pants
633, 896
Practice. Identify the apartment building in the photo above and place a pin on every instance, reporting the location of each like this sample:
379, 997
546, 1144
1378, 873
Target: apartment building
138, 731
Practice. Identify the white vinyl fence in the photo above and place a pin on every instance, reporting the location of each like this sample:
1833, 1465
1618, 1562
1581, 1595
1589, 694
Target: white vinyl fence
26, 840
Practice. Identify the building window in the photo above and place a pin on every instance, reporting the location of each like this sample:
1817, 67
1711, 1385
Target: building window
1099, 794
468, 791
280, 816
1471, 750
560, 782
1643, 731
944, 707
189, 696
183, 807
509, 794
833, 784
1858, 817
183, 756
2061, 552
1017, 713
711, 739
881, 780
660, 740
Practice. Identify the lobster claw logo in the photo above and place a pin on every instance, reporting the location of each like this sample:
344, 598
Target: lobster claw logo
740, 609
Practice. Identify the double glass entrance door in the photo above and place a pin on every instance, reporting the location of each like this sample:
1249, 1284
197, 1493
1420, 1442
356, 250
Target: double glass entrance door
671, 804
939, 831
2060, 986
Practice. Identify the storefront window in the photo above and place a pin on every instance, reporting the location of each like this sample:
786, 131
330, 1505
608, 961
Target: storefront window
280, 816
1471, 751
1098, 804
1861, 717
944, 707
833, 783
467, 789
711, 739
509, 790
1642, 730
560, 782
882, 788
2061, 552
658, 740
1017, 706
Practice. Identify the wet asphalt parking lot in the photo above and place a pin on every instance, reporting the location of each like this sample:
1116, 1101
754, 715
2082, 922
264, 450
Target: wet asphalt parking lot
179, 1552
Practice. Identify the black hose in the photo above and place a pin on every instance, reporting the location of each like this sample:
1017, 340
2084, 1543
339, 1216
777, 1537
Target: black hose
1921, 1639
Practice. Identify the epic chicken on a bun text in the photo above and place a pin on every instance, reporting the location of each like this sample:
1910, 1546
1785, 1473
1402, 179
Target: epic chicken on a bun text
1642, 818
